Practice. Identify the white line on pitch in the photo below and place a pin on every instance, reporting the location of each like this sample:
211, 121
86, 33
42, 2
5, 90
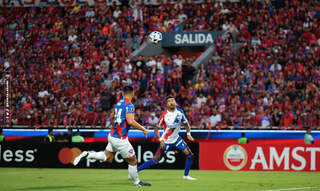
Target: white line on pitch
291, 189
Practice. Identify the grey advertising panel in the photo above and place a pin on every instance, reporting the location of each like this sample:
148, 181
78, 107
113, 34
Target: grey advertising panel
201, 38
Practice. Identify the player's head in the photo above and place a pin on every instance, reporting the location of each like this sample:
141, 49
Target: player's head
171, 102
50, 131
309, 130
243, 135
128, 92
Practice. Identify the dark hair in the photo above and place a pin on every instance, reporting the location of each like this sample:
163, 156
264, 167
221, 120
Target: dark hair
50, 130
243, 134
128, 90
168, 97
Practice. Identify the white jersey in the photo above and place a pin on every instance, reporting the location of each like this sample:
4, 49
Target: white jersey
171, 122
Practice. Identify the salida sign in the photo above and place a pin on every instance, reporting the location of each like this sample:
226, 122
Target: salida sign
277, 157
199, 38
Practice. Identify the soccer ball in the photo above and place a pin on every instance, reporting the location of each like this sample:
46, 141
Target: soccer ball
155, 37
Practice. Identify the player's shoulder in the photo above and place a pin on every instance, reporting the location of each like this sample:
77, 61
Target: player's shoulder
164, 114
180, 110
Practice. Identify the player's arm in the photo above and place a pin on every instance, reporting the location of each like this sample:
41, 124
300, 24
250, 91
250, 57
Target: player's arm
156, 131
130, 120
188, 128
112, 118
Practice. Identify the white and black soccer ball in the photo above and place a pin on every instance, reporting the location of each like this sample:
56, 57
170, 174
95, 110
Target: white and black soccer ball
155, 37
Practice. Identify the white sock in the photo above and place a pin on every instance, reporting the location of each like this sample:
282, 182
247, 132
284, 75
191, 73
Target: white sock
134, 173
98, 156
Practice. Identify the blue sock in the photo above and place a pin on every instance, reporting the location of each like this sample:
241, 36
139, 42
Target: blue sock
189, 162
147, 164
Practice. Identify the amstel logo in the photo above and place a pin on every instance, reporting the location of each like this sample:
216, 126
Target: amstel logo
67, 155
235, 157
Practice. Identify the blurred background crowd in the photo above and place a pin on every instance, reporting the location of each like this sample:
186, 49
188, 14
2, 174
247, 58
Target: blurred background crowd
68, 64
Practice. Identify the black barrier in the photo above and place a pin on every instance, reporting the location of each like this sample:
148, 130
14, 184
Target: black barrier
60, 155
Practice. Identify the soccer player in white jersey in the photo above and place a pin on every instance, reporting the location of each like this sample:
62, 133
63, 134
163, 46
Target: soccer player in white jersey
171, 121
122, 119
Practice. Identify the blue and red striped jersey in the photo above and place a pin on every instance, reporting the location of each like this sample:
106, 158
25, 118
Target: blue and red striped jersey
120, 128
159, 80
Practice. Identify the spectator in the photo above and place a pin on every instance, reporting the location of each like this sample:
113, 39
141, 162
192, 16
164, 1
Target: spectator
276, 117
243, 139
50, 138
201, 99
266, 120
67, 137
2, 138
178, 27
308, 139
117, 12
105, 100
89, 13
215, 118
136, 42
153, 120
77, 138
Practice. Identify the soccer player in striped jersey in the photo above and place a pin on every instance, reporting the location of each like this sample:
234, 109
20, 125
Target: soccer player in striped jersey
171, 121
122, 119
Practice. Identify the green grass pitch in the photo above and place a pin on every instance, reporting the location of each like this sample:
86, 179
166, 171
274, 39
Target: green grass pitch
35, 179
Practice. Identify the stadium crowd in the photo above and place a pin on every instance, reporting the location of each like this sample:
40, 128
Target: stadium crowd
69, 64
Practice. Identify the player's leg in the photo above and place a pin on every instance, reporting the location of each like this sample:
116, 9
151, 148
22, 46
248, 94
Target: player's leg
127, 152
157, 157
183, 147
106, 156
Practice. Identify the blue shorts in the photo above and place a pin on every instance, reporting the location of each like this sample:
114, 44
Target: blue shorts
178, 145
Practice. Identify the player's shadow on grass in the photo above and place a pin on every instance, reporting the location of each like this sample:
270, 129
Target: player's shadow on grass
51, 187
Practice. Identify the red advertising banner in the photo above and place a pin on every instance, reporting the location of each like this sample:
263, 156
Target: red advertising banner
259, 157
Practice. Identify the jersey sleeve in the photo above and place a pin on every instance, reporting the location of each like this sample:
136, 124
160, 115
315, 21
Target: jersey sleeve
129, 108
184, 118
161, 121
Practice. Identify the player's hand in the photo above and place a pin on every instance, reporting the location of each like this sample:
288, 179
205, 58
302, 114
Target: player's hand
190, 137
146, 132
162, 144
